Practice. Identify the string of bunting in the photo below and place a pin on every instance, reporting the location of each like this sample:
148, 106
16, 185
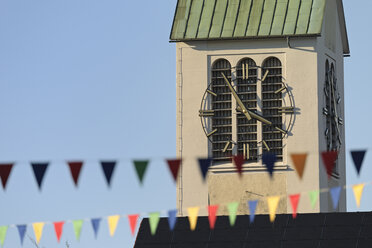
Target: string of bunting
193, 214
141, 166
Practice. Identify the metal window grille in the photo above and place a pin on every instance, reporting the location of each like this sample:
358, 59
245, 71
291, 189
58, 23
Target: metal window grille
271, 104
328, 110
246, 77
222, 120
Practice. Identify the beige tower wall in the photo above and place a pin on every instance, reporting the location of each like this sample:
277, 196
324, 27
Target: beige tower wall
300, 70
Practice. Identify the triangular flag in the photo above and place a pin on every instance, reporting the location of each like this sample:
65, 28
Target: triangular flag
233, 209
95, 225
314, 195
108, 168
172, 218
358, 157
21, 231
154, 221
193, 217
75, 168
335, 194
39, 172
358, 191
3, 230
299, 162
78, 225
273, 202
239, 161
252, 210
212, 215
141, 166
58, 228
174, 167
204, 164
133, 222
329, 161
294, 202
269, 159
113, 223
5, 170
38, 230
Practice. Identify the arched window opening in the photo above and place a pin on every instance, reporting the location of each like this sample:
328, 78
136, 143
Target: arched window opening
272, 139
221, 104
246, 76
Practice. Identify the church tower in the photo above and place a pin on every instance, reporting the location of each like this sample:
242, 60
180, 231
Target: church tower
256, 77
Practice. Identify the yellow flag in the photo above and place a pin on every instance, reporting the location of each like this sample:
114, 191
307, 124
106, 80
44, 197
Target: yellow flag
273, 202
193, 217
358, 191
38, 230
112, 223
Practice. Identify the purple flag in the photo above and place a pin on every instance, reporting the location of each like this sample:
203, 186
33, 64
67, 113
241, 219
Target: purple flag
172, 219
95, 225
22, 231
335, 194
252, 210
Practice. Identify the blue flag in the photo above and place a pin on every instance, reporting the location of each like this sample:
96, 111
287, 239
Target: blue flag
335, 194
95, 225
108, 169
358, 157
172, 219
269, 160
204, 164
39, 172
22, 231
252, 210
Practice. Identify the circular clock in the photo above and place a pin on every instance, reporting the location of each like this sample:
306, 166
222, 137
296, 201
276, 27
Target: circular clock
243, 114
332, 110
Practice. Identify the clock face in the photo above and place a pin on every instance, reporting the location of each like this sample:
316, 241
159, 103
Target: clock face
332, 110
246, 109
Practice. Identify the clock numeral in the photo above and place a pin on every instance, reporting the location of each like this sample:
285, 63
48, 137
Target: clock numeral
265, 75
286, 110
226, 146
280, 130
206, 113
246, 151
325, 111
338, 100
212, 93
266, 146
211, 133
280, 90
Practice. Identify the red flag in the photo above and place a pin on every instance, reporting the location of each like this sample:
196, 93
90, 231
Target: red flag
58, 227
329, 161
5, 170
212, 210
239, 161
174, 167
75, 168
133, 222
294, 202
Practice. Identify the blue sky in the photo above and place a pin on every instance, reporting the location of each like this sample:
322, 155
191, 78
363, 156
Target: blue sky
95, 80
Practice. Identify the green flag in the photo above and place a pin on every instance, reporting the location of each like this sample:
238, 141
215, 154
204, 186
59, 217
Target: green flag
154, 221
233, 208
314, 195
78, 224
141, 166
3, 230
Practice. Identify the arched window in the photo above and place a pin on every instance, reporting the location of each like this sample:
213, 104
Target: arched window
272, 139
221, 104
246, 76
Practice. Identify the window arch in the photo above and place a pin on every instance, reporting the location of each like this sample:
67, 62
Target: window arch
272, 139
246, 76
221, 103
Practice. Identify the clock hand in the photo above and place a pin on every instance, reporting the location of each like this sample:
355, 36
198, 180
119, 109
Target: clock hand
245, 111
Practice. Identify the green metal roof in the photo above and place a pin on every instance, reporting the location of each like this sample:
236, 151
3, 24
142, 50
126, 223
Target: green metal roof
237, 19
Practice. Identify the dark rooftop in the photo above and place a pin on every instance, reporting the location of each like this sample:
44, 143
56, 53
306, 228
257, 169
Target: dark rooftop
336, 230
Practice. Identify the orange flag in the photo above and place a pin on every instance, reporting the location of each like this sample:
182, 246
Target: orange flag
299, 162
58, 228
294, 202
133, 222
212, 210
